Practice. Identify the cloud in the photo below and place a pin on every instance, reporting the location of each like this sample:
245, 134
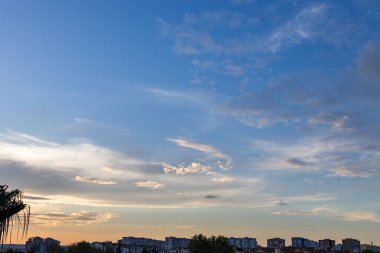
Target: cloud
190, 96
57, 219
187, 40
35, 197
93, 180
193, 168
53, 189
211, 151
336, 121
302, 27
223, 179
282, 203
334, 156
194, 35
335, 213
241, 2
298, 162
292, 98
350, 172
77, 156
296, 212
211, 197
187, 226
150, 185
197, 168
309, 181
361, 216
317, 197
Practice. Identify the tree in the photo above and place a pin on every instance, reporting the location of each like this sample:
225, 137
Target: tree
81, 247
13, 212
202, 244
220, 245
199, 244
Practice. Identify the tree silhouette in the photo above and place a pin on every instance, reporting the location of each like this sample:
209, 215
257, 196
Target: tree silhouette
202, 244
13, 212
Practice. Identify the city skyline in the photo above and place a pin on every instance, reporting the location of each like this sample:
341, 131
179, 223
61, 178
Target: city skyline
151, 118
294, 242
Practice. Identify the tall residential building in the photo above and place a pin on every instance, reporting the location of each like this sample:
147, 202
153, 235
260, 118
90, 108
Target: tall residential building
243, 242
351, 245
326, 244
40, 245
176, 244
300, 242
276, 243
132, 244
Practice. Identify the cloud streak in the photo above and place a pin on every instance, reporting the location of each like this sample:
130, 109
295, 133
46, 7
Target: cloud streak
57, 219
150, 185
335, 213
302, 27
210, 151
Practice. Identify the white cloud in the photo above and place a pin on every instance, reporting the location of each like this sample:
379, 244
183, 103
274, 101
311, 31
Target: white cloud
93, 180
361, 216
150, 185
302, 27
95, 163
348, 172
193, 168
211, 151
197, 168
223, 179
340, 123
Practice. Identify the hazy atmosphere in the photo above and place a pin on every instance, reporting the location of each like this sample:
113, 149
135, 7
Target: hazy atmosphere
156, 118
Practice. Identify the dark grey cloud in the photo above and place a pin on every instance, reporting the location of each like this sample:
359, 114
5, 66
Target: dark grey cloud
282, 203
35, 198
298, 162
211, 197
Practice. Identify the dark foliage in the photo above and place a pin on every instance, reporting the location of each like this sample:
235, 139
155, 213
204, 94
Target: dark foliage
13, 212
202, 244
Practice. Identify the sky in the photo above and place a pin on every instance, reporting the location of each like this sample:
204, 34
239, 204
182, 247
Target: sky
174, 118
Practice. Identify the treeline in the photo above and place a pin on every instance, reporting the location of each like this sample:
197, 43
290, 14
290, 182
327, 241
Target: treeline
86, 247
213, 244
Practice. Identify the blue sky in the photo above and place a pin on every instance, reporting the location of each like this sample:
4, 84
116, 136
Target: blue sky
157, 118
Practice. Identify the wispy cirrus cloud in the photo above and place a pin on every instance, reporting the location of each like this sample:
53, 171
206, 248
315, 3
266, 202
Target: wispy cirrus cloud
334, 213
93, 180
210, 151
303, 26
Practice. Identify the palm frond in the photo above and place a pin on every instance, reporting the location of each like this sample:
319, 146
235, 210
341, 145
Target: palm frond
13, 212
